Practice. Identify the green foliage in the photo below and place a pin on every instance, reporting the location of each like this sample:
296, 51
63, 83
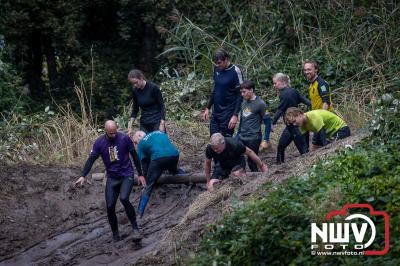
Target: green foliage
18, 134
10, 88
386, 123
185, 96
275, 229
338, 36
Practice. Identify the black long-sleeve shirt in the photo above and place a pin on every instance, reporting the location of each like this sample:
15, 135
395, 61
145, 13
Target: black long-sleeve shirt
151, 103
288, 97
225, 96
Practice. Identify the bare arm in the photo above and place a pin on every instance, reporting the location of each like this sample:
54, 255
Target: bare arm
263, 167
207, 169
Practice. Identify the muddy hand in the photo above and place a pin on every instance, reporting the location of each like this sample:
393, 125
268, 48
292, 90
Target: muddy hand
80, 181
205, 114
264, 168
142, 181
232, 122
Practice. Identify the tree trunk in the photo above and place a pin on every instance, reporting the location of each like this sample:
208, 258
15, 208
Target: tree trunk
51, 61
35, 66
148, 48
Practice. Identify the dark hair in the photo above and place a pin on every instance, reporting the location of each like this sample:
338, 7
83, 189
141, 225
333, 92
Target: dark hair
248, 85
313, 62
136, 74
220, 54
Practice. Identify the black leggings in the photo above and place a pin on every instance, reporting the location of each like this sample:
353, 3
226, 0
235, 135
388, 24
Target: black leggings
121, 187
289, 134
253, 145
153, 171
148, 128
221, 126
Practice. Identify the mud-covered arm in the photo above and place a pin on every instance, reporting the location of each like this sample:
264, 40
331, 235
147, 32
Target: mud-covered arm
207, 169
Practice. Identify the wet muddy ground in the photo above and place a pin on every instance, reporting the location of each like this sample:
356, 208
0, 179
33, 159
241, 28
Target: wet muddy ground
44, 220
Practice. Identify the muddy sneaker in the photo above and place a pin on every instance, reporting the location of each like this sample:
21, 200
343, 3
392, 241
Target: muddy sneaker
137, 235
116, 237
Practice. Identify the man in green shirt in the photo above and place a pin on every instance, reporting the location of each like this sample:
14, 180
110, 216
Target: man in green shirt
325, 125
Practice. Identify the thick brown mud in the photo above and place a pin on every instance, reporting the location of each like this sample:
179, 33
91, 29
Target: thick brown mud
44, 220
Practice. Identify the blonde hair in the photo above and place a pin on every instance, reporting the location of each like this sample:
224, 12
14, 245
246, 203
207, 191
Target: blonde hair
283, 78
291, 114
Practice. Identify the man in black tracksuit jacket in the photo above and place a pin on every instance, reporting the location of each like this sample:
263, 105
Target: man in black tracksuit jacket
288, 97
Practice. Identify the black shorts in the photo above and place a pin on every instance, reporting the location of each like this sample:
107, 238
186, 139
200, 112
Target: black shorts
222, 173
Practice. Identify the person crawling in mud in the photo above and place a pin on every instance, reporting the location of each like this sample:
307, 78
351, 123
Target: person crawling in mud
157, 154
325, 125
114, 148
229, 153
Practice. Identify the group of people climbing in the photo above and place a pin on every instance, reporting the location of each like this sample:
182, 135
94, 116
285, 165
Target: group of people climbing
233, 100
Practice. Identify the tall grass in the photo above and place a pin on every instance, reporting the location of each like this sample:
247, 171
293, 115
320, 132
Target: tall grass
51, 137
355, 45
68, 138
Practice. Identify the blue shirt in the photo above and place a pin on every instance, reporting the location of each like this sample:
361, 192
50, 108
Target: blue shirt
115, 154
226, 97
156, 145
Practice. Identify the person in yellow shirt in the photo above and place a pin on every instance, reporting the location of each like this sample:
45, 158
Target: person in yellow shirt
325, 125
320, 94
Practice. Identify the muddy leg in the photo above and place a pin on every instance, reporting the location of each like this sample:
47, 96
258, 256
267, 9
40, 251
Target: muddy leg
126, 189
154, 172
112, 191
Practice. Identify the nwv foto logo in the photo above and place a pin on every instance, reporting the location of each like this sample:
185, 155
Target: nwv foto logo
335, 235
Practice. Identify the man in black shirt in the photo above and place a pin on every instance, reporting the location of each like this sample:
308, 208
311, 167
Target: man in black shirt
225, 99
229, 153
288, 97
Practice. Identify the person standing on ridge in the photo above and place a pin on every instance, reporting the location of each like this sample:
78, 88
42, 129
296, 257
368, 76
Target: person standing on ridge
288, 97
320, 93
225, 98
252, 114
147, 97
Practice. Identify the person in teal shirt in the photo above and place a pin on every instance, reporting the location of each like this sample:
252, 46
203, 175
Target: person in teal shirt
157, 154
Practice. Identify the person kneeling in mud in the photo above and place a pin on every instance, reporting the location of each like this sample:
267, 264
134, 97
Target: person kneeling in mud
325, 125
114, 148
156, 153
229, 155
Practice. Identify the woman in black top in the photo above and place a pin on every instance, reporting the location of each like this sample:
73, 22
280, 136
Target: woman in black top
147, 96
